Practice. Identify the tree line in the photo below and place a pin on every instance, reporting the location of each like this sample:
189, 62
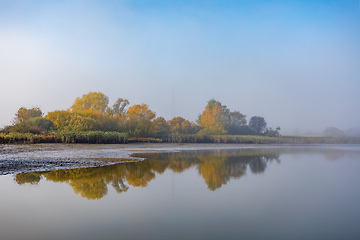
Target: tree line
92, 112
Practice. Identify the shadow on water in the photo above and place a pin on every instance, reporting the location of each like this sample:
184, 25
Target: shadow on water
216, 167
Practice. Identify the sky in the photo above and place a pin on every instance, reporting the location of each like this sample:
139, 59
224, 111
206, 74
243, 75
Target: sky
295, 63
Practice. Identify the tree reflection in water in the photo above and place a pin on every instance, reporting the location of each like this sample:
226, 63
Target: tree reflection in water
216, 167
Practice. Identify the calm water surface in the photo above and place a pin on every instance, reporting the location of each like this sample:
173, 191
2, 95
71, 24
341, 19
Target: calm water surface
256, 193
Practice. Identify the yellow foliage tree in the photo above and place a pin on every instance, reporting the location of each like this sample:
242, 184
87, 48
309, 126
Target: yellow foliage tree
212, 119
139, 120
159, 127
71, 121
93, 101
179, 125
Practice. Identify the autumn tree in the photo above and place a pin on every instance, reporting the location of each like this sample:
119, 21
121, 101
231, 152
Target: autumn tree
71, 121
212, 119
60, 119
94, 101
139, 120
119, 107
94, 106
118, 114
180, 125
160, 127
24, 114
30, 120
218, 119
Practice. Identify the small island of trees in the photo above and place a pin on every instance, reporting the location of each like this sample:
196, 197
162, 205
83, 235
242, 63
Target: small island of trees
90, 119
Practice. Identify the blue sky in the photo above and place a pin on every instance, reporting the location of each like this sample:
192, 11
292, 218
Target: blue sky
296, 63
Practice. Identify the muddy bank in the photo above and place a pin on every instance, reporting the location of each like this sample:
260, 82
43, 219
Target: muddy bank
47, 157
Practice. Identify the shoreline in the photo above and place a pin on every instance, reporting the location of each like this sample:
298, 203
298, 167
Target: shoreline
22, 158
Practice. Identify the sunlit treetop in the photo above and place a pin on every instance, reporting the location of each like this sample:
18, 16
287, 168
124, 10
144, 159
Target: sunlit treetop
95, 101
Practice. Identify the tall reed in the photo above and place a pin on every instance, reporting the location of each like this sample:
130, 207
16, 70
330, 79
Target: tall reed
100, 137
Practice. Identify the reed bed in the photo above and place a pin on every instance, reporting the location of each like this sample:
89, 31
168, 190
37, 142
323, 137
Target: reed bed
249, 139
95, 137
99, 137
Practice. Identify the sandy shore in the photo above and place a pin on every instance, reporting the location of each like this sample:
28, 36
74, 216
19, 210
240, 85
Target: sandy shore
47, 157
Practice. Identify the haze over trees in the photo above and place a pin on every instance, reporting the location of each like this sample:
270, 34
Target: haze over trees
92, 112
333, 132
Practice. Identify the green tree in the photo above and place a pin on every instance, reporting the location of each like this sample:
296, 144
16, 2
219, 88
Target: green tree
272, 133
258, 124
42, 123
235, 123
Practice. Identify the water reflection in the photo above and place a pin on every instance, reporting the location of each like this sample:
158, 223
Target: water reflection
216, 167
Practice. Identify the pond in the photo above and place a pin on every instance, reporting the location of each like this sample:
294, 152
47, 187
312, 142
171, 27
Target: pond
266, 192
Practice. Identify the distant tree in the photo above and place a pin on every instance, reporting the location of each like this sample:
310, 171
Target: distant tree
93, 101
333, 132
258, 124
272, 133
353, 132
